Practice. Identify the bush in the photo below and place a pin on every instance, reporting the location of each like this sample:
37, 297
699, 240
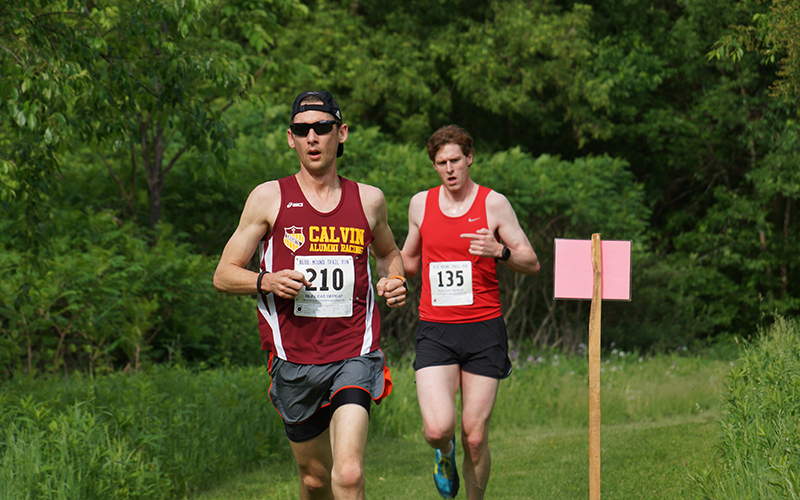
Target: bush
760, 445
102, 297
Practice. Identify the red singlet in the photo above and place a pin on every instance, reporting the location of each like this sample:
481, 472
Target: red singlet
448, 267
335, 318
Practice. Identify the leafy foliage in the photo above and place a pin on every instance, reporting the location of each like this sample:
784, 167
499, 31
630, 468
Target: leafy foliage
146, 80
105, 298
774, 32
760, 439
672, 124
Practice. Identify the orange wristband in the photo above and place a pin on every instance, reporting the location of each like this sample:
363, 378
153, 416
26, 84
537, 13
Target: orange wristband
398, 277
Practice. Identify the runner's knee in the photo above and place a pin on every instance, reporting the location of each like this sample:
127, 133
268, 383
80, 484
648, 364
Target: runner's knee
348, 474
313, 483
435, 435
314, 477
475, 441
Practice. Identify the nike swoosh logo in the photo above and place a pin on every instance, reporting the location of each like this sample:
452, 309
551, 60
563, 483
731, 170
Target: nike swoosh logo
473, 220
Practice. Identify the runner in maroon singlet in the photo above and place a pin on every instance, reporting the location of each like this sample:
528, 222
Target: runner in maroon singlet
457, 233
318, 319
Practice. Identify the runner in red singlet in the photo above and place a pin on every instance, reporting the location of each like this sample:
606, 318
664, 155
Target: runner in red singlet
318, 318
457, 233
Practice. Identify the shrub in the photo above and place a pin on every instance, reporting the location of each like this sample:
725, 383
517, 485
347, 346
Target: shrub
102, 297
760, 445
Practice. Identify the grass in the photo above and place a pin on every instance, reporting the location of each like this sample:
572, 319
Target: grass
659, 419
639, 461
162, 433
674, 426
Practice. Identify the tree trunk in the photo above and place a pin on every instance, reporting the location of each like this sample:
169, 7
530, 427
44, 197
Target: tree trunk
787, 218
153, 160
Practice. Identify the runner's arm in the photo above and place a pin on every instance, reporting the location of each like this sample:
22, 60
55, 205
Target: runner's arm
523, 258
231, 274
412, 248
389, 262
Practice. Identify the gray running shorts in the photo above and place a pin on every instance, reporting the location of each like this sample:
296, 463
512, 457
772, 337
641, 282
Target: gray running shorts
298, 391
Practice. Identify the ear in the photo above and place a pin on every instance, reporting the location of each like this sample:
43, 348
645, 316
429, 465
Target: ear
290, 138
344, 132
468, 159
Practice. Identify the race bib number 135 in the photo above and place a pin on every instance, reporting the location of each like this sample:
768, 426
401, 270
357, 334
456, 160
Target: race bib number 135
451, 283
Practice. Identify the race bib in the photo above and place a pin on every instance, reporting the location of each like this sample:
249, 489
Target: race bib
451, 283
330, 294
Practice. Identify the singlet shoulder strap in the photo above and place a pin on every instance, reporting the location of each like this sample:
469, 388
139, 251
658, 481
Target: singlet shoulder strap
289, 187
478, 207
350, 190
483, 192
432, 200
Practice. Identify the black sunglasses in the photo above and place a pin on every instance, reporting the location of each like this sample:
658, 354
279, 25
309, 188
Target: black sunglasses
320, 128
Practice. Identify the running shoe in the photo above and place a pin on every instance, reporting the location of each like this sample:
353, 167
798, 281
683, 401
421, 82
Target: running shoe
445, 475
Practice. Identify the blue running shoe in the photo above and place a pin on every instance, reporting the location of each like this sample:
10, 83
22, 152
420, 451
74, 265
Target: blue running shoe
445, 475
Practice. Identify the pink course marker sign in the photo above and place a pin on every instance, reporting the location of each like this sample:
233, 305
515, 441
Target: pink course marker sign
573, 269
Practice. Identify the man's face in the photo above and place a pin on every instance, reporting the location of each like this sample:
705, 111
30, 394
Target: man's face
316, 151
452, 166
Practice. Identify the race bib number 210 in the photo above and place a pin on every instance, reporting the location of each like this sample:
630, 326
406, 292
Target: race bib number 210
330, 294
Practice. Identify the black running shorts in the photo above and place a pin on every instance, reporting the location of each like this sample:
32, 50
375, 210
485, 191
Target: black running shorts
480, 347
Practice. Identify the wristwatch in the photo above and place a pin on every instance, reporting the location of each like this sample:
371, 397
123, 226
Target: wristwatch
505, 255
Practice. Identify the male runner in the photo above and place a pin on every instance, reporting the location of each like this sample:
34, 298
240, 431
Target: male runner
317, 313
457, 233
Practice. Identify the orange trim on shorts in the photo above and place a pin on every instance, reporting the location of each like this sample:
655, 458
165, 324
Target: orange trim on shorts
387, 387
387, 383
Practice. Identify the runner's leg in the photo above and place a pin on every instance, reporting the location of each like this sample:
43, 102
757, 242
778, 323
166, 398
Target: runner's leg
478, 395
314, 462
348, 438
436, 392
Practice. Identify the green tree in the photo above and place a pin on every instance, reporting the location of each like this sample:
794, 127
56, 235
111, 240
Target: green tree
144, 81
138, 84
741, 234
775, 34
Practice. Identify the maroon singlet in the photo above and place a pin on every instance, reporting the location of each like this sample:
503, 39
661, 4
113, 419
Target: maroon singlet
338, 318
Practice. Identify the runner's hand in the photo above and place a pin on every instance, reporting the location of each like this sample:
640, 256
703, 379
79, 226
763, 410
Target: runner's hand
483, 244
393, 290
285, 283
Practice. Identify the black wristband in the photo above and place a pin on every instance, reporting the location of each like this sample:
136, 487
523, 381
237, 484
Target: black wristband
506, 254
258, 281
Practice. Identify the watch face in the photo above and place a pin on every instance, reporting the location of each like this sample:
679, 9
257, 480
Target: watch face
506, 254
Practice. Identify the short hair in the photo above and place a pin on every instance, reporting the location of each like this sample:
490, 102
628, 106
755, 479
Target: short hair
319, 100
449, 134
311, 99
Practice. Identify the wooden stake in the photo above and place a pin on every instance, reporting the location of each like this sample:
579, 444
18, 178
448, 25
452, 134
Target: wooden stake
594, 370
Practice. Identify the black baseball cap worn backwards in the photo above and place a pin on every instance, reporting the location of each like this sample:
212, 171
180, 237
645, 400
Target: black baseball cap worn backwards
328, 106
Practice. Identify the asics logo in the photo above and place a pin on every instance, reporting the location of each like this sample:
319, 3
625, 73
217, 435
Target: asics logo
293, 204
473, 219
